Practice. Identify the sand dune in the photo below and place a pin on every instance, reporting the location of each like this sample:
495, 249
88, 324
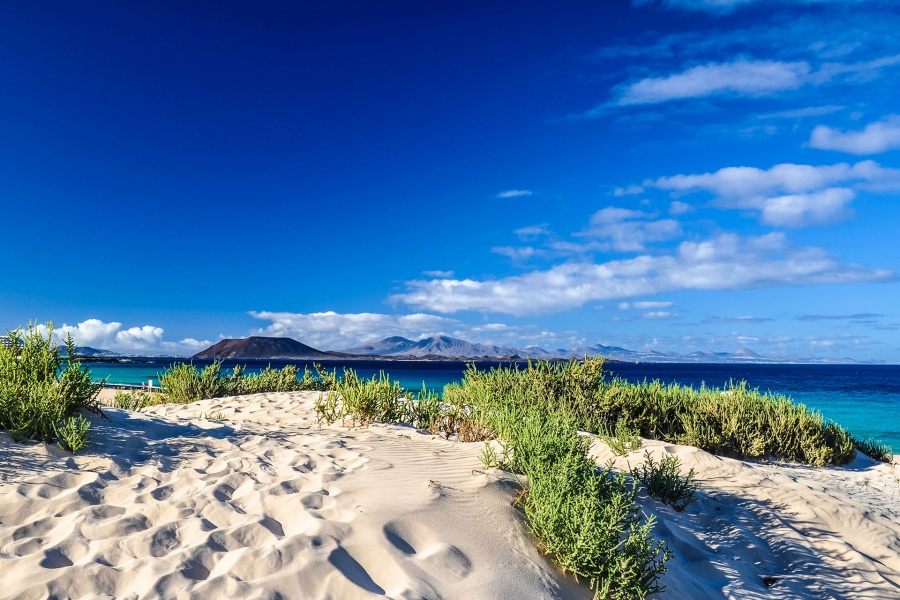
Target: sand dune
262, 503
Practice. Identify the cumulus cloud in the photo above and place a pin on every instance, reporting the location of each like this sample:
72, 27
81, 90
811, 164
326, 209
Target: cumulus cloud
333, 330
438, 274
725, 262
736, 182
630, 230
514, 193
742, 77
875, 138
342, 330
803, 210
113, 336
788, 195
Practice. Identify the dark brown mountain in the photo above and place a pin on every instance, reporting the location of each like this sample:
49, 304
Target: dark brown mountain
261, 348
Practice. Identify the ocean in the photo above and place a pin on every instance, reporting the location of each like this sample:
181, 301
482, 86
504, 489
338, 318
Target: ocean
863, 398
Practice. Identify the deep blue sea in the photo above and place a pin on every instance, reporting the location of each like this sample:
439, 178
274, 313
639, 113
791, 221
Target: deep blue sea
863, 398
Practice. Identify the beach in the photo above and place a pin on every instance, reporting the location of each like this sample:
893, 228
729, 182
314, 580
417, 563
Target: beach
248, 497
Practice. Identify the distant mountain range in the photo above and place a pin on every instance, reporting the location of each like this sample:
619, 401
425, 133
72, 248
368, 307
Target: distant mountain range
88, 351
452, 348
443, 347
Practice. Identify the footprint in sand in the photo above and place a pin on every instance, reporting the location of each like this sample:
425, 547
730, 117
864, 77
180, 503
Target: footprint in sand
162, 493
441, 560
55, 559
164, 541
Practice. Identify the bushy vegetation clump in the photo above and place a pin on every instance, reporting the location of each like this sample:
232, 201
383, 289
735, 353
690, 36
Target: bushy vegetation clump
874, 449
41, 394
621, 440
586, 518
135, 400
364, 401
663, 480
185, 383
737, 421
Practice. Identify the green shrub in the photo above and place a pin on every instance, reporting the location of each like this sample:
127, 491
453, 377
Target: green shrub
425, 411
72, 433
135, 400
40, 392
587, 520
663, 481
874, 449
622, 440
185, 383
367, 400
737, 421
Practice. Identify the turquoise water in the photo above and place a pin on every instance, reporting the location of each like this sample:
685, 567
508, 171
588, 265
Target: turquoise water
863, 398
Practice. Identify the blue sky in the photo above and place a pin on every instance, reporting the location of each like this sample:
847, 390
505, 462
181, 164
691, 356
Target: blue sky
675, 175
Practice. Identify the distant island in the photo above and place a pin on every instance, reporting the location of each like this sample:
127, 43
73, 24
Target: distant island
257, 347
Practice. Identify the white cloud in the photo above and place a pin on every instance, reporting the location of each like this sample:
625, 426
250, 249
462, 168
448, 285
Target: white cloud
678, 208
111, 336
518, 253
875, 138
659, 315
858, 72
721, 263
629, 230
438, 274
644, 305
743, 77
514, 193
532, 232
802, 113
788, 195
630, 190
735, 182
803, 210
746, 77
332, 330
327, 330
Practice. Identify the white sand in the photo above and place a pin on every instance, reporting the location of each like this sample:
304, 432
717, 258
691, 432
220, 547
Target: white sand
822, 532
262, 504
265, 504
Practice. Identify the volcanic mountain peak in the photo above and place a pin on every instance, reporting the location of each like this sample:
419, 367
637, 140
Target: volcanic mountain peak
258, 347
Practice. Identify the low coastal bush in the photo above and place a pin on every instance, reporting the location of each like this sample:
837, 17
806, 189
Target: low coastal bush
41, 394
586, 518
185, 383
737, 421
874, 449
663, 480
621, 440
364, 401
135, 400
